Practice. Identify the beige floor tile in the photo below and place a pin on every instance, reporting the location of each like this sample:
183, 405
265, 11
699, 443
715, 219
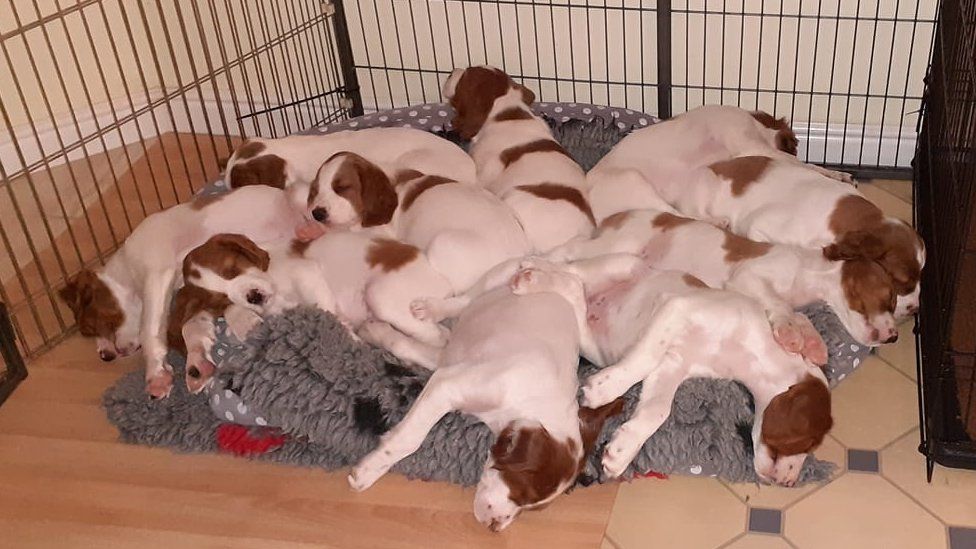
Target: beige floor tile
758, 541
684, 512
902, 188
862, 511
777, 497
952, 493
901, 354
889, 203
874, 406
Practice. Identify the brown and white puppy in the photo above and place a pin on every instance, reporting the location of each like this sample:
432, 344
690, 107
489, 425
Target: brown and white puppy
781, 277
463, 229
296, 159
775, 201
511, 361
518, 158
663, 327
125, 304
357, 276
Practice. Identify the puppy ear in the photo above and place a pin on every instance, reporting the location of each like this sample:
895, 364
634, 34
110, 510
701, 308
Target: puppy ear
379, 200
79, 291
450, 85
246, 247
856, 245
591, 422
528, 96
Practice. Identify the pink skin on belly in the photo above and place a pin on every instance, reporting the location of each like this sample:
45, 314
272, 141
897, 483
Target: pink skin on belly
656, 249
602, 305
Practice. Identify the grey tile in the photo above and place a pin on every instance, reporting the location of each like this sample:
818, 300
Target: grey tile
962, 538
765, 521
864, 461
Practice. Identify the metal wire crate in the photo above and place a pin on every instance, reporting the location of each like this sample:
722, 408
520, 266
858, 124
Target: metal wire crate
945, 209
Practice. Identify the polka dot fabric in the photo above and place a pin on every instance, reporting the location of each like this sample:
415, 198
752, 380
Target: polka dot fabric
437, 117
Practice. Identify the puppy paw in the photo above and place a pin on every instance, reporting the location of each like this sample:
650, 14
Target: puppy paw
598, 390
422, 309
814, 348
788, 334
619, 453
159, 385
366, 473
530, 280
310, 230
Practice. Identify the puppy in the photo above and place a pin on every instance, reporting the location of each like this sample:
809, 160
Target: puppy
296, 159
781, 277
663, 327
517, 157
775, 201
125, 304
357, 276
463, 229
511, 361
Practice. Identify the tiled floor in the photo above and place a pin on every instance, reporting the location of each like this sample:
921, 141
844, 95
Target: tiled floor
877, 498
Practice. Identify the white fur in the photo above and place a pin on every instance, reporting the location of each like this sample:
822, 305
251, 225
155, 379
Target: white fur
658, 330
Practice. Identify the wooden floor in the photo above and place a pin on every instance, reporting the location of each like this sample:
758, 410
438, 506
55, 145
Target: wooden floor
66, 482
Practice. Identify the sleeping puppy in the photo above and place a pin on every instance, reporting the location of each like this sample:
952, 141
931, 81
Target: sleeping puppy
124, 305
511, 361
296, 159
775, 201
463, 229
357, 276
517, 157
781, 277
663, 327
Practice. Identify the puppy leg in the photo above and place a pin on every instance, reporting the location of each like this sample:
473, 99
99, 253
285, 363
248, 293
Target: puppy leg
158, 290
240, 321
388, 297
435, 309
434, 402
198, 333
653, 409
403, 347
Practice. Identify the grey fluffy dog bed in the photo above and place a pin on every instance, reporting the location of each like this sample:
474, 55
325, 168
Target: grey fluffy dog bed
332, 397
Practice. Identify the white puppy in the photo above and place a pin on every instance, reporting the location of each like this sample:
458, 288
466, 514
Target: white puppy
517, 156
511, 361
125, 304
781, 277
663, 327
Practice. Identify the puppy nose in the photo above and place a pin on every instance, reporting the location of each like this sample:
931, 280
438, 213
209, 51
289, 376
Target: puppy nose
255, 297
320, 215
893, 338
193, 372
106, 355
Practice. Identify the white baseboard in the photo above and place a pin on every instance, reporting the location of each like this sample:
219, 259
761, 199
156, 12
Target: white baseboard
867, 145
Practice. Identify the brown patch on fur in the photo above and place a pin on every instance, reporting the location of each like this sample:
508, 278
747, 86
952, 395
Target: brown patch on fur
667, 221
298, 247
614, 221
264, 170
867, 287
189, 301
693, 281
591, 423
796, 420
403, 176
512, 154
475, 94
742, 171
786, 140
863, 233
202, 201
366, 187
249, 149
389, 254
419, 187
513, 113
532, 463
555, 191
93, 304
738, 248
227, 255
